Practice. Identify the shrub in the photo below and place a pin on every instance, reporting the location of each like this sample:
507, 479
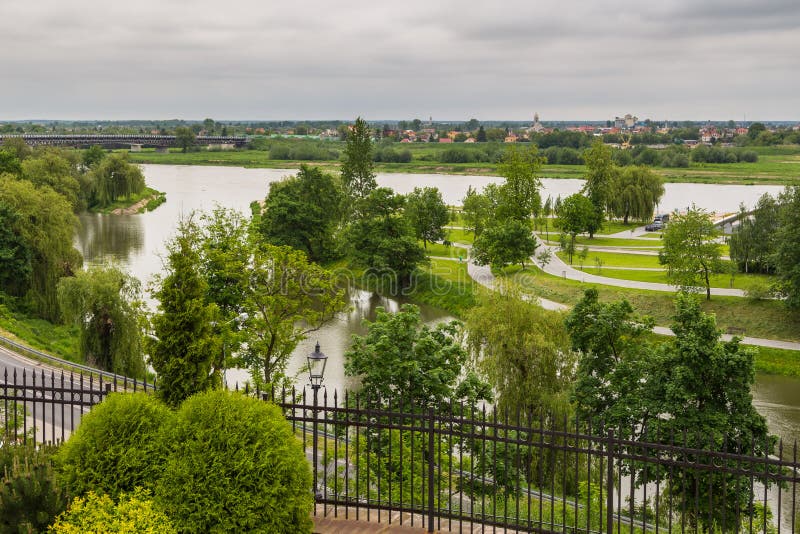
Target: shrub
133, 513
31, 496
235, 466
115, 448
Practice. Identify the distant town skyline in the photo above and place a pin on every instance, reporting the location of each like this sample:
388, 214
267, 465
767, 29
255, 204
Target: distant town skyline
453, 60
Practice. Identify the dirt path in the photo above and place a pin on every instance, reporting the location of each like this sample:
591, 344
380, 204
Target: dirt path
133, 209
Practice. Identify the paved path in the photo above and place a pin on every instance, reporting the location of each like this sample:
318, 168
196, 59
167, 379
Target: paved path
375, 523
483, 275
557, 267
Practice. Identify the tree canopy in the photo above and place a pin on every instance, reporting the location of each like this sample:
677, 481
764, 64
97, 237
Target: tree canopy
104, 303
636, 193
691, 251
787, 256
358, 176
427, 213
511, 242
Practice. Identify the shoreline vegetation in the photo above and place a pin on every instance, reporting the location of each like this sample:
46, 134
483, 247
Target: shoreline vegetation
776, 165
148, 200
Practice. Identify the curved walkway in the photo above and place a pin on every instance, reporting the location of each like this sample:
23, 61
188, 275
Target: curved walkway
482, 274
557, 267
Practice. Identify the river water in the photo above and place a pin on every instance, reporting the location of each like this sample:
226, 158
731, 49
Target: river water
136, 242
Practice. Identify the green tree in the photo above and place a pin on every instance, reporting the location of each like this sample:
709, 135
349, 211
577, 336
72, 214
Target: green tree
303, 212
480, 137
635, 193
401, 358
427, 213
611, 342
477, 211
601, 173
46, 224
756, 129
184, 138
184, 345
382, 239
507, 243
92, 156
51, 169
691, 251
16, 256
358, 176
9, 162
524, 352
115, 178
754, 243
787, 255
519, 195
104, 303
286, 298
575, 215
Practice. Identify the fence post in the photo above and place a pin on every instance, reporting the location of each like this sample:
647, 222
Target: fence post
430, 468
610, 484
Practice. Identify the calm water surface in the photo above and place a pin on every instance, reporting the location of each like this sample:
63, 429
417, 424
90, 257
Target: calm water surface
137, 243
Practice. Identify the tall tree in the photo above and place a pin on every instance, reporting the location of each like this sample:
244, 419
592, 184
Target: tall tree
636, 193
286, 298
304, 212
402, 359
519, 195
358, 176
427, 213
691, 251
184, 138
755, 239
477, 211
510, 242
787, 256
611, 342
524, 351
600, 176
16, 256
105, 304
115, 178
382, 239
575, 215
46, 224
184, 344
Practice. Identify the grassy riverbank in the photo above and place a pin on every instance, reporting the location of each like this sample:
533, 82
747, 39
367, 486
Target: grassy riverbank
776, 165
58, 340
148, 200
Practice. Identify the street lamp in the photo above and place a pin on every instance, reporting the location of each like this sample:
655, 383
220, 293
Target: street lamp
316, 372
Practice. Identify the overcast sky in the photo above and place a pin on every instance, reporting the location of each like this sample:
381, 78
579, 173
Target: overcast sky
452, 60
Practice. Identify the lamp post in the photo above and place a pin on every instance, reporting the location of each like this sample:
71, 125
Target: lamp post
316, 372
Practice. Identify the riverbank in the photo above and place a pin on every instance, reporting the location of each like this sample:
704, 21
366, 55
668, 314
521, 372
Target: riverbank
148, 200
776, 168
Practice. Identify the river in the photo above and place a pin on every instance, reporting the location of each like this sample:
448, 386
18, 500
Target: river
136, 242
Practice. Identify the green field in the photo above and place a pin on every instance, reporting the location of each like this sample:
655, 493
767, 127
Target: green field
740, 281
777, 165
459, 235
599, 241
614, 259
769, 319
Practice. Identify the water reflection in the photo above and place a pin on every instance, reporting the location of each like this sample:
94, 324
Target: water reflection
110, 237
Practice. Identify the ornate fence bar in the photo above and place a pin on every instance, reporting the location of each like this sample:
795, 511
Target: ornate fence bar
458, 467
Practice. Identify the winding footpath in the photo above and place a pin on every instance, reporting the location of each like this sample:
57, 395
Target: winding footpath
482, 275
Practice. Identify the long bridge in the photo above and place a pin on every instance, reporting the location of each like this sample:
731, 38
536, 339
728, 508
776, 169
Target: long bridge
120, 140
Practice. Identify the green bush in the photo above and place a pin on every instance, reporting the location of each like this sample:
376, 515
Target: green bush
133, 513
31, 496
234, 466
115, 448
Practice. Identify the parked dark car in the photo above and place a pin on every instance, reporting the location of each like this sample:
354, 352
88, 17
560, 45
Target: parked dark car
654, 226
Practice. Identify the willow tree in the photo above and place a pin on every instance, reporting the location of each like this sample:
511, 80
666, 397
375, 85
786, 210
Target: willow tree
635, 193
46, 224
115, 178
105, 304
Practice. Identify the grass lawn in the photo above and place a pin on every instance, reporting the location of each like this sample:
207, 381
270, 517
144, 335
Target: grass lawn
459, 235
768, 319
597, 241
130, 200
445, 284
437, 249
613, 259
612, 227
58, 340
740, 281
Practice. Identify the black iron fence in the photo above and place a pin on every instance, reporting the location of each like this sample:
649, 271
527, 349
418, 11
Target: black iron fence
47, 406
455, 468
